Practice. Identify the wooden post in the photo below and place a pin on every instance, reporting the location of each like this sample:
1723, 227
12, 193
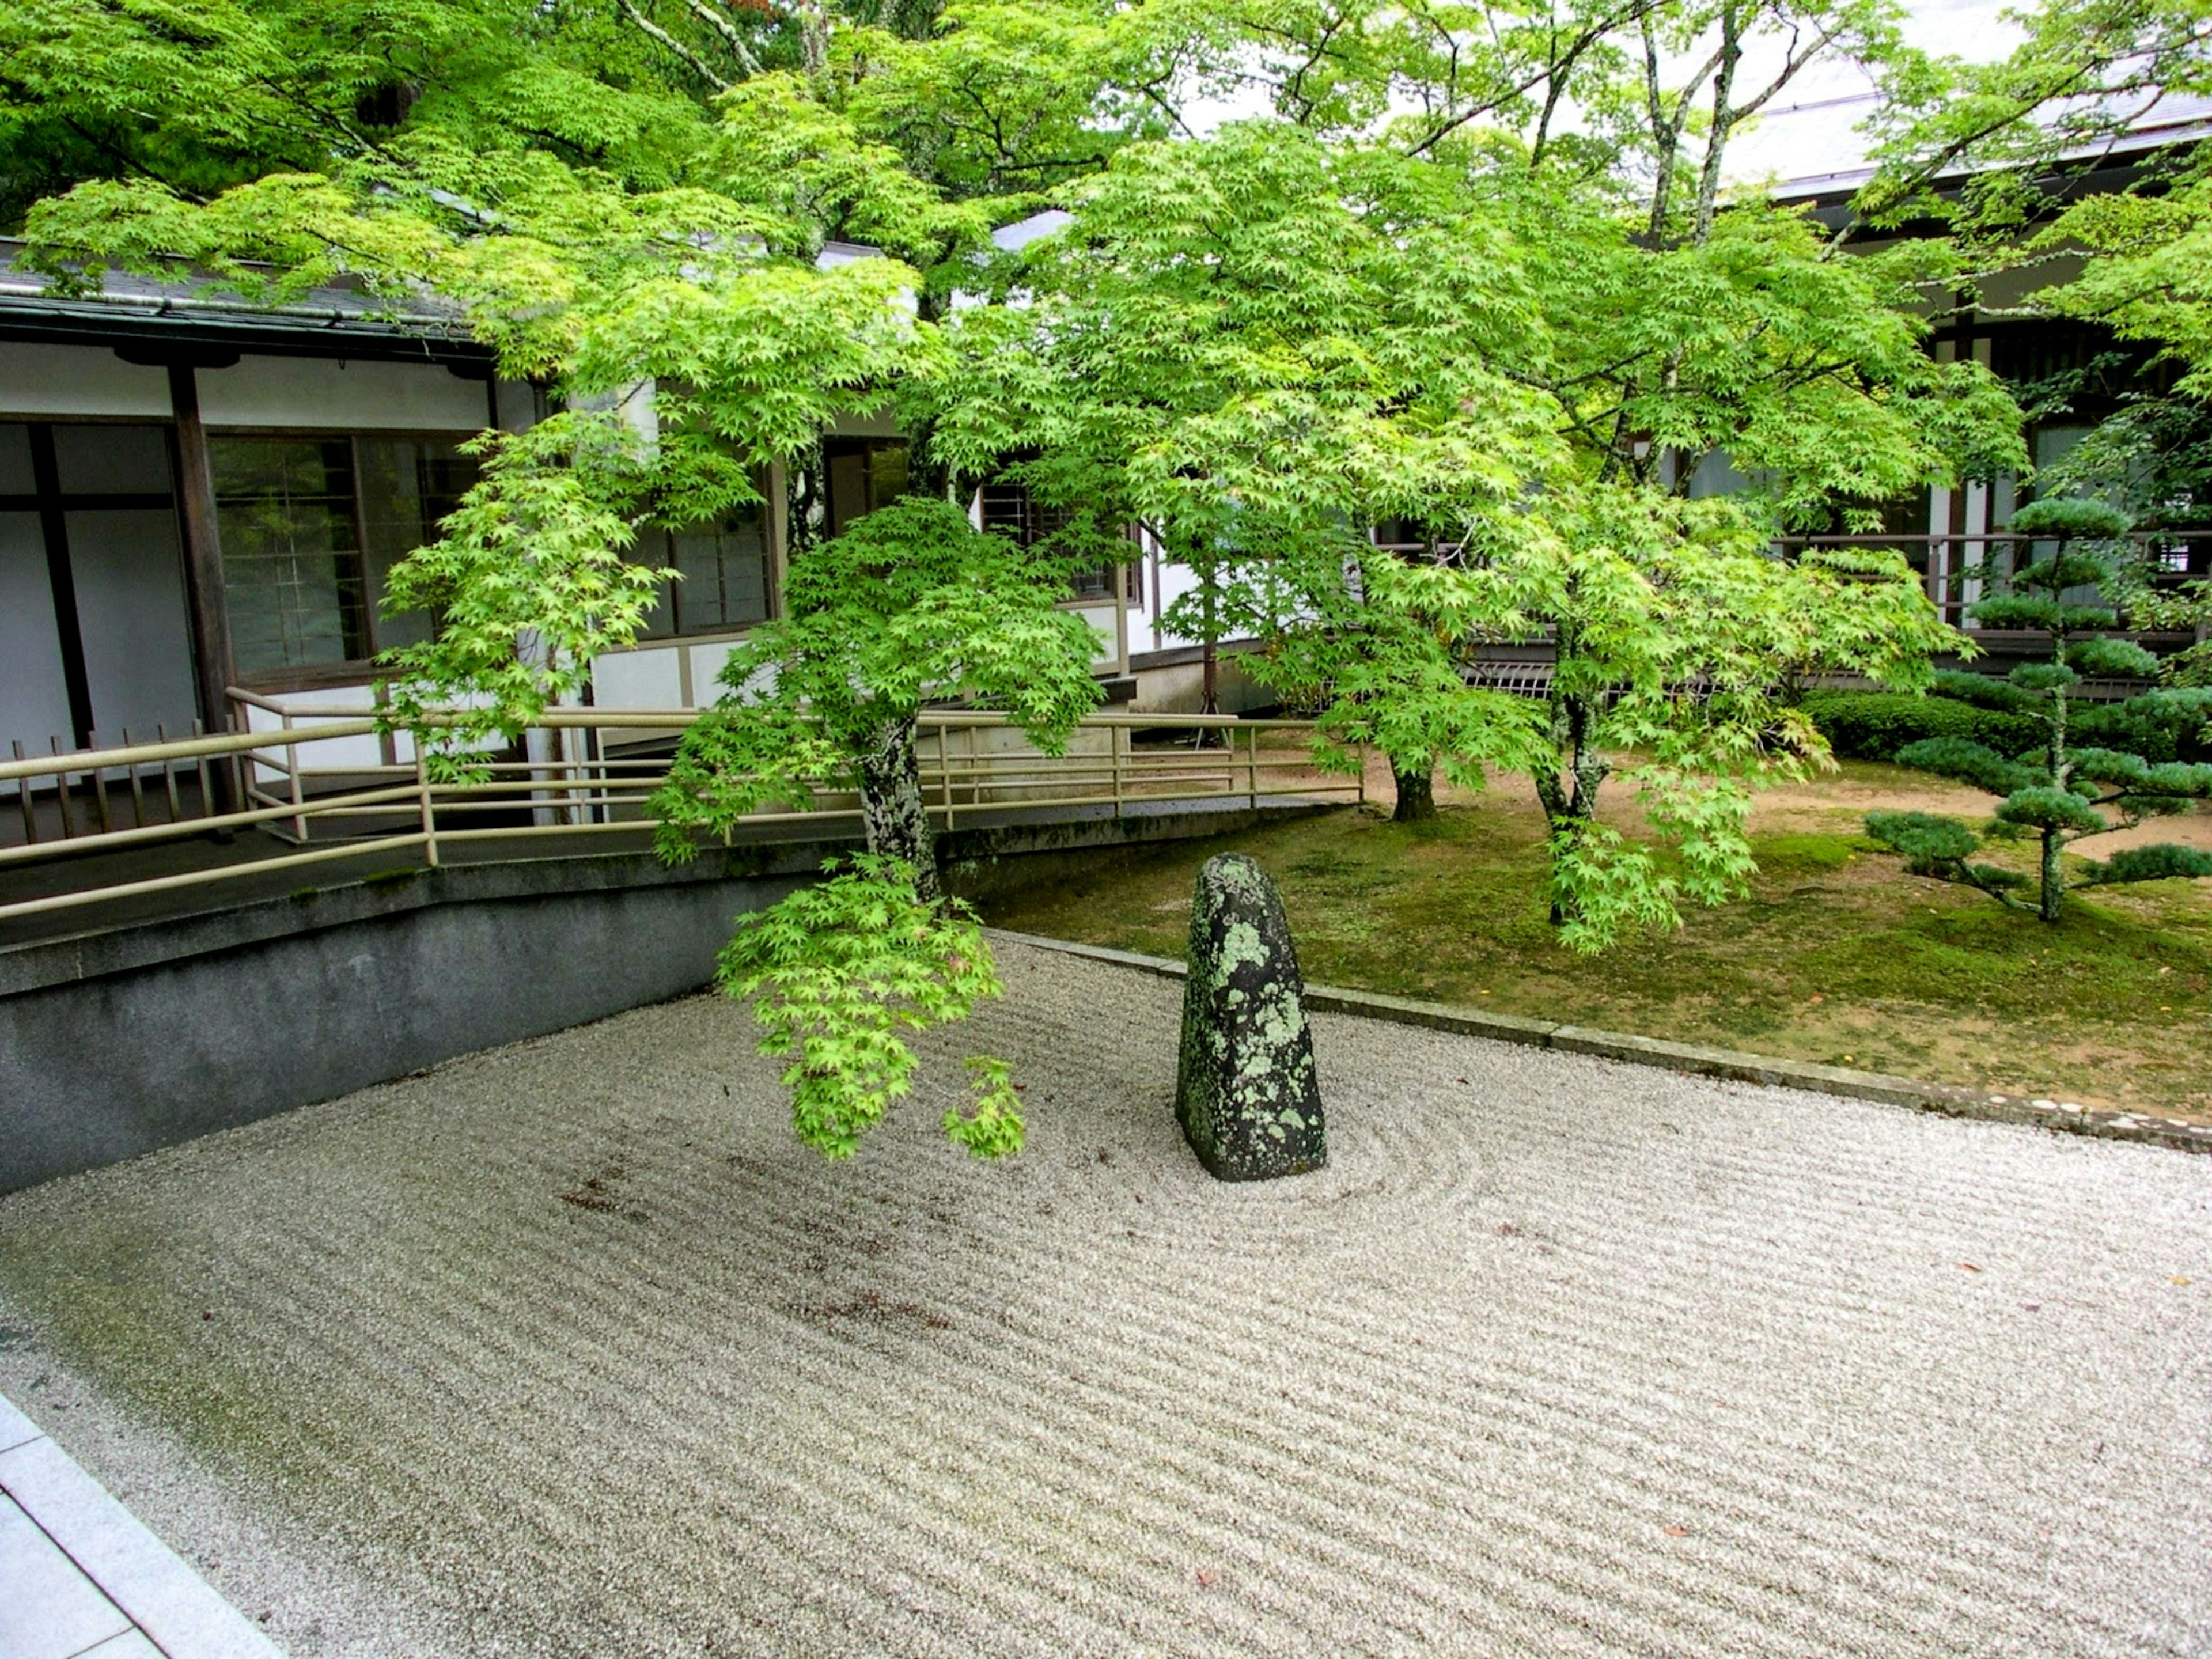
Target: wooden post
98, 776
61, 789
1113, 750
430, 817
203, 592
945, 772
23, 798
137, 789
292, 767
168, 774
61, 578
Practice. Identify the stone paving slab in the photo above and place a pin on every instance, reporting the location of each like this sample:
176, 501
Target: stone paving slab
85, 1579
49, 1609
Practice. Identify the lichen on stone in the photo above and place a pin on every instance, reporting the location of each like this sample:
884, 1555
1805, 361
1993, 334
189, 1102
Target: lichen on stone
1247, 1093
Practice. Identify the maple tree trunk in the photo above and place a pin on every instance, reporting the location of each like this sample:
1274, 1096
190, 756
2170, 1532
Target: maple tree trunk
891, 808
1417, 794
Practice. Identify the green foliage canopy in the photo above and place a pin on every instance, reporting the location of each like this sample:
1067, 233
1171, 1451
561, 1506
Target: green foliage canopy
912, 605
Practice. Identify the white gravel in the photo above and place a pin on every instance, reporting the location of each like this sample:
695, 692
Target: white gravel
1557, 1356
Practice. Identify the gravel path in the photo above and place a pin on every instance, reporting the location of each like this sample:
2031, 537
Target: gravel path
568, 1349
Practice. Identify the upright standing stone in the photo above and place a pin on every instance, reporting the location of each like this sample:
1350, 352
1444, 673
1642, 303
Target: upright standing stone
1245, 1092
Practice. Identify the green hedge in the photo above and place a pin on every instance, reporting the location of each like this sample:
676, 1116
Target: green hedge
1875, 725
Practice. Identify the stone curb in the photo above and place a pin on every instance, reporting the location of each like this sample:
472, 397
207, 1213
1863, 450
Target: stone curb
172, 1609
1730, 1064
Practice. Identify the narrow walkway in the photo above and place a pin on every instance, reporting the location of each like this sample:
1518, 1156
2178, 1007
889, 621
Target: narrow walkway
72, 871
85, 1580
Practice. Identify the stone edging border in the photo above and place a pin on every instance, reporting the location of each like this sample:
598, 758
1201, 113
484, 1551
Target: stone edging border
1730, 1064
170, 1606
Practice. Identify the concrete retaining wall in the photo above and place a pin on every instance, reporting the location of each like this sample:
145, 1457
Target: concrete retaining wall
119, 1041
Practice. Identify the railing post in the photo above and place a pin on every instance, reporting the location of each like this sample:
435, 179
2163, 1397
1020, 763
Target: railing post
945, 772
292, 765
60, 790
23, 798
1251, 769
137, 789
1363, 775
430, 813
99, 779
168, 774
1114, 763
207, 774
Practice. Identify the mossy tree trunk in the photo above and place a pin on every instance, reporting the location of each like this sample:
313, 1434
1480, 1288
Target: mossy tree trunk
2053, 894
891, 808
1569, 794
1417, 794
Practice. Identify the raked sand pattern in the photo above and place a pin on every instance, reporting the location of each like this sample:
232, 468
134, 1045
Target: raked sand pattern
570, 1349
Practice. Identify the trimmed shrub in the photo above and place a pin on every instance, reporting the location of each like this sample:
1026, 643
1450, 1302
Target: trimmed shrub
1875, 725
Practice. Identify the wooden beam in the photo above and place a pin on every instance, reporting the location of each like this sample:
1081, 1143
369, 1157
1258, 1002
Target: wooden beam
208, 607
61, 580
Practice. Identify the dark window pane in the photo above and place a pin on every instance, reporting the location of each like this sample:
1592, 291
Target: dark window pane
406, 487
886, 472
848, 491
16, 477
725, 571
113, 460
865, 474
660, 621
1009, 509
292, 561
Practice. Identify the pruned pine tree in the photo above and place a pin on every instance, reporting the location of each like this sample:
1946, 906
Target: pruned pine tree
2057, 793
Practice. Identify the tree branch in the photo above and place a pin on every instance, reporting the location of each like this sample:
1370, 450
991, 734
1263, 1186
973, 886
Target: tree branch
669, 42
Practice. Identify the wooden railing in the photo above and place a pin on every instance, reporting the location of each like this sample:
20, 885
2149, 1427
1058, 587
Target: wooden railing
1949, 562
330, 783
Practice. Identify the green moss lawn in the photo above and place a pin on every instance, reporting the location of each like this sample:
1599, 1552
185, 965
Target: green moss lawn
1837, 955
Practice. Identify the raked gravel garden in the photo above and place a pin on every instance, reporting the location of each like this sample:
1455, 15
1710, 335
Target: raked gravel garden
570, 1348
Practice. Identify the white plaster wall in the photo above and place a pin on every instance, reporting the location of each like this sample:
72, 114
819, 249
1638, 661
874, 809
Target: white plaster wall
1174, 581
342, 396
645, 677
1180, 689
330, 703
131, 611
33, 706
707, 662
1101, 618
77, 381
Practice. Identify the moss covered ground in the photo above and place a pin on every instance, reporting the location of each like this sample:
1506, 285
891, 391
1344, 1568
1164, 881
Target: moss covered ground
1837, 955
